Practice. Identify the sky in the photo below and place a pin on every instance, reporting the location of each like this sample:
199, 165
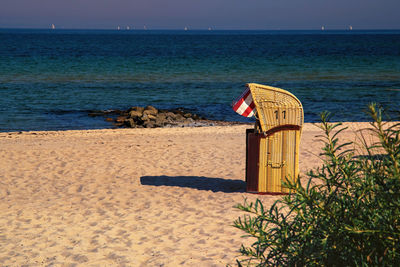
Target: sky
201, 14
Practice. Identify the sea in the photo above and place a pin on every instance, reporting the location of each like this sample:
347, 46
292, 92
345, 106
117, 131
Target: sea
52, 79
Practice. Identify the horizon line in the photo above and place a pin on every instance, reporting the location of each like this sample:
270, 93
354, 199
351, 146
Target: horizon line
200, 29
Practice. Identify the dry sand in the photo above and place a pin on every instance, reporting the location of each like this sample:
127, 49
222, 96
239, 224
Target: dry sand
128, 197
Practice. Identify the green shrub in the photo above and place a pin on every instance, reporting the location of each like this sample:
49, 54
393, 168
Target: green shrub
348, 214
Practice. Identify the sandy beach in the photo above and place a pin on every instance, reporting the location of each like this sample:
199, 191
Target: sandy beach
128, 197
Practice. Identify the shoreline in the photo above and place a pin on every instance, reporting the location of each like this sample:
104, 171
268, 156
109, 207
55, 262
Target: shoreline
135, 197
209, 124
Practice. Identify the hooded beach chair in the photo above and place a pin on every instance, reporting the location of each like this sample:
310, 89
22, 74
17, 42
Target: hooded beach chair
272, 147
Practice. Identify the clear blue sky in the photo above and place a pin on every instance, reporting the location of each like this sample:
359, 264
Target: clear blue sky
201, 14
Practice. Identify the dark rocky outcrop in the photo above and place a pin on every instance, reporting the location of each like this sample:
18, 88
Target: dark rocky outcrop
151, 117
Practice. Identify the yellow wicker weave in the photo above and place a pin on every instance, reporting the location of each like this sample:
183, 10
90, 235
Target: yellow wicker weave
276, 107
280, 116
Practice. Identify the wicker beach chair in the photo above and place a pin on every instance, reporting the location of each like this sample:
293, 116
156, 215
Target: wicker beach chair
273, 146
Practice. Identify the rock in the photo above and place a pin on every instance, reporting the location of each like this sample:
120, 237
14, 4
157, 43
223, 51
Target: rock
152, 117
179, 117
171, 115
130, 123
149, 124
189, 120
161, 116
120, 119
139, 109
179, 111
170, 121
135, 114
145, 117
139, 121
150, 110
161, 121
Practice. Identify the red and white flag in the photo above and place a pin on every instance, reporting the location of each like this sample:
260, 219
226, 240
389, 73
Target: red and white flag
244, 105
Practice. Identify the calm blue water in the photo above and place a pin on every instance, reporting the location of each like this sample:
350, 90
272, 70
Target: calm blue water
50, 79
